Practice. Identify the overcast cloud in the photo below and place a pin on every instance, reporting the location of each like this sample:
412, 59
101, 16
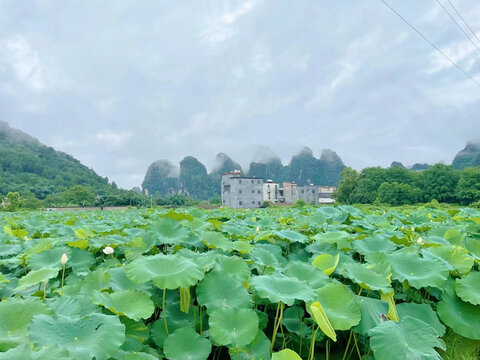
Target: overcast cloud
119, 84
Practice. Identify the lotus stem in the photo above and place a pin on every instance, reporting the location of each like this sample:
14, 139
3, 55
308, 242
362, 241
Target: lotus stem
201, 319
327, 350
276, 323
45, 289
301, 337
63, 277
312, 344
194, 312
164, 312
356, 346
348, 345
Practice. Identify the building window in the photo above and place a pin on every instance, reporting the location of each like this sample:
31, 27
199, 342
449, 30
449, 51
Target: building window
259, 203
259, 191
240, 203
302, 191
224, 201
239, 181
253, 191
258, 181
252, 181
313, 191
253, 202
240, 191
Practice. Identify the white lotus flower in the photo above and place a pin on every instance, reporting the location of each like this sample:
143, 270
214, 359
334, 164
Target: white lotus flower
108, 250
258, 229
64, 259
420, 241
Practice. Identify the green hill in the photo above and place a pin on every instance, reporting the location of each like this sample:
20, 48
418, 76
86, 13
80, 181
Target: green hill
468, 157
40, 172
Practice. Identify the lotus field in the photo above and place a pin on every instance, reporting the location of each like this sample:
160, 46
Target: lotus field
280, 283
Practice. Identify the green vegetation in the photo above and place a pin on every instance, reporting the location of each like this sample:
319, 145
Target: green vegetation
400, 186
468, 157
324, 282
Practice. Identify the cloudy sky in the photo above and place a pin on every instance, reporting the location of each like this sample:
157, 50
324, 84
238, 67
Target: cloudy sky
119, 84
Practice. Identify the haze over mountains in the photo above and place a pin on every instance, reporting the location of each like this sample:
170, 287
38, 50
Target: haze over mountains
27, 165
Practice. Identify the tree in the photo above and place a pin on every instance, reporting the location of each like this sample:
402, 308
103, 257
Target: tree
468, 187
11, 202
398, 194
346, 186
439, 182
80, 195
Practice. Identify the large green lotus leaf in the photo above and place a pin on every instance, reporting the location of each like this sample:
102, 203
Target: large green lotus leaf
377, 242
473, 246
294, 322
286, 354
185, 343
15, 315
222, 290
408, 339
461, 316
124, 355
24, 352
366, 277
96, 335
422, 312
96, 280
456, 257
340, 238
371, 310
419, 272
454, 236
468, 288
80, 260
216, 240
48, 258
136, 334
233, 265
120, 281
35, 277
259, 348
338, 303
133, 304
166, 271
278, 287
268, 255
233, 327
168, 231
73, 306
291, 236
308, 273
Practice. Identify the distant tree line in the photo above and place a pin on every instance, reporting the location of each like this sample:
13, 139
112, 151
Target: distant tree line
400, 186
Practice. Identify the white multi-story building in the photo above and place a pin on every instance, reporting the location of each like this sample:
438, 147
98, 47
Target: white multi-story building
271, 191
241, 192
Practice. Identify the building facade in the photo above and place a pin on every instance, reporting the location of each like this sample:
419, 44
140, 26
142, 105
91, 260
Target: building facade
241, 192
325, 194
271, 192
293, 192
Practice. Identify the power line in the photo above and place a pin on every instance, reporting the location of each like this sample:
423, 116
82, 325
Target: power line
456, 22
465, 21
431, 43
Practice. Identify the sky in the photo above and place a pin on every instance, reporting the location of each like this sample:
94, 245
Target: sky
120, 84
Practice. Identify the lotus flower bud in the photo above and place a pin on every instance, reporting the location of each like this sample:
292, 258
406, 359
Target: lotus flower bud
258, 229
420, 241
108, 250
64, 259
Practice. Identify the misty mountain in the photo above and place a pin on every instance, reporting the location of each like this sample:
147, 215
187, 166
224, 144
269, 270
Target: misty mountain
161, 178
26, 165
223, 163
468, 157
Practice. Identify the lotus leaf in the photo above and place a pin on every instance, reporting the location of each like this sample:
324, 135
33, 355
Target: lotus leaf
366, 277
322, 320
326, 262
286, 354
456, 257
235, 327
422, 312
468, 288
185, 343
35, 277
259, 348
370, 244
419, 272
339, 305
96, 335
24, 352
282, 288
166, 271
132, 303
222, 290
233, 265
372, 311
292, 236
340, 238
461, 316
408, 339
314, 277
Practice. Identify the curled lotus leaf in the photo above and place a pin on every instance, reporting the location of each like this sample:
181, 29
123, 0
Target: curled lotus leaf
233, 327
286, 354
133, 304
166, 271
185, 343
366, 277
410, 338
339, 305
468, 288
326, 262
462, 317
278, 287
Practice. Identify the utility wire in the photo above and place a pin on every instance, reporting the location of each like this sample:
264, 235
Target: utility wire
464, 21
431, 43
456, 22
